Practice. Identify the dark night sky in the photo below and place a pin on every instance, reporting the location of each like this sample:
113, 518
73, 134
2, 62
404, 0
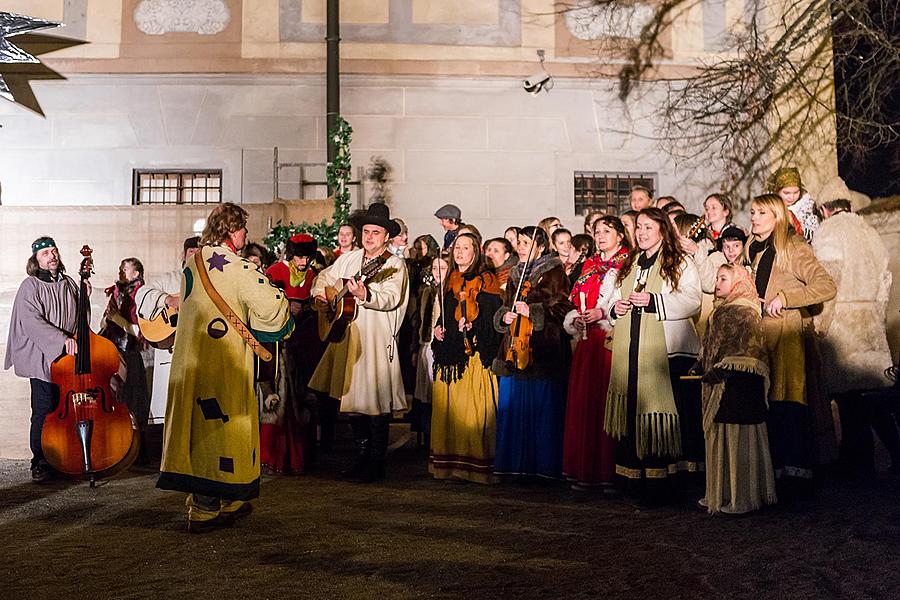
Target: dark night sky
877, 171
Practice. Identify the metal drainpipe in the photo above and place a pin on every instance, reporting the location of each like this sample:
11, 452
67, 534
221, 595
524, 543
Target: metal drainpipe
333, 84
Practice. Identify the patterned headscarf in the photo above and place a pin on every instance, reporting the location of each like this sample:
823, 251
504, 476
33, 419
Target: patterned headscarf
743, 286
785, 177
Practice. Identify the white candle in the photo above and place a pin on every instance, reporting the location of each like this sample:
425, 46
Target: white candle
583, 300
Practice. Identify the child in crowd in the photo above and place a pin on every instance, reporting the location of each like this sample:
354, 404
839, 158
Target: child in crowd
739, 475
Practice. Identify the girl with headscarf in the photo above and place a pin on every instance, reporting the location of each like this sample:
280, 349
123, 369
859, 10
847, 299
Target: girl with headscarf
739, 475
786, 183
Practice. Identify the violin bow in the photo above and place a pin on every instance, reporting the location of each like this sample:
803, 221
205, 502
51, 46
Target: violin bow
525, 268
440, 285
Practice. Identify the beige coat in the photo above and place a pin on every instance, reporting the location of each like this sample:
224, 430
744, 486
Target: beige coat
802, 286
363, 371
852, 325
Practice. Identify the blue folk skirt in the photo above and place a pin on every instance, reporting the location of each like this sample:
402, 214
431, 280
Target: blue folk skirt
531, 416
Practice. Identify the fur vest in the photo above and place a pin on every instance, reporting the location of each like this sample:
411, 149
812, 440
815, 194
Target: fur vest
852, 325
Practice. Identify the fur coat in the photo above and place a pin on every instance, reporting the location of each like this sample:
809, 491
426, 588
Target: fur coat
548, 304
852, 325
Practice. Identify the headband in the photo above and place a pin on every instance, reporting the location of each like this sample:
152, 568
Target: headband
41, 243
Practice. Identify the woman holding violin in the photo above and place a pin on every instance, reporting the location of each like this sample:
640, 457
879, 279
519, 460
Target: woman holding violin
531, 365
464, 396
650, 411
588, 451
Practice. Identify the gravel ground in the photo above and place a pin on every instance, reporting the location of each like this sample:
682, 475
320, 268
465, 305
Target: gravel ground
412, 537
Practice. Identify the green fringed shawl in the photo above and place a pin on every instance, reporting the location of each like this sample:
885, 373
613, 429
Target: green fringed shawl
657, 430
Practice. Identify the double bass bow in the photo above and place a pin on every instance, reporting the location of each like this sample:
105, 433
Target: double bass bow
90, 435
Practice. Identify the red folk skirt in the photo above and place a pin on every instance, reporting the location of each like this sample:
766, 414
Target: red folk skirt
588, 451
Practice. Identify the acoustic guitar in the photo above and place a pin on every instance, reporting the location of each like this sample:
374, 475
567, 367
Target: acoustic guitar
341, 309
698, 230
160, 330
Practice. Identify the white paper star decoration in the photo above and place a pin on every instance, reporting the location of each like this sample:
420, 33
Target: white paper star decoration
11, 25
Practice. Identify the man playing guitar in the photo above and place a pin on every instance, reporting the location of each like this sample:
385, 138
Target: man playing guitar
362, 370
151, 298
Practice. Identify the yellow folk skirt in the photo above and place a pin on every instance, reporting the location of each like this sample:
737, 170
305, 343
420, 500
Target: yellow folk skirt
463, 425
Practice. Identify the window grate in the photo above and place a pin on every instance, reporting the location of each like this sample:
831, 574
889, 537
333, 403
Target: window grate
609, 192
176, 186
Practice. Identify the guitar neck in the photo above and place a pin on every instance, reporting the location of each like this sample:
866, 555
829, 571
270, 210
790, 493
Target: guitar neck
344, 290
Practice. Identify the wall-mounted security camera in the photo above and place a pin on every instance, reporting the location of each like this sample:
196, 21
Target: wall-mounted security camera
541, 81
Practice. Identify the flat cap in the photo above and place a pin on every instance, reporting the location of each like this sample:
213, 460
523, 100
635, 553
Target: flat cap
448, 211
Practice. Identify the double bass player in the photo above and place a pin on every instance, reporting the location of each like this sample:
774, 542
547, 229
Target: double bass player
40, 331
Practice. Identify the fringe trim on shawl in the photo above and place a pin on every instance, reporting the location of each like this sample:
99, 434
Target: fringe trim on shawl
658, 434
712, 394
449, 373
615, 417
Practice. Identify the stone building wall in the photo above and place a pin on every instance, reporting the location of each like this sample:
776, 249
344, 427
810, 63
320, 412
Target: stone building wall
503, 156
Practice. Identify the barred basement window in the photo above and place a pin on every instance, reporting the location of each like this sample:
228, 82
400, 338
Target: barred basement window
609, 192
176, 186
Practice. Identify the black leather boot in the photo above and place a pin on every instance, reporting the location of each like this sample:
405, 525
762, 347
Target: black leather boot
381, 429
362, 431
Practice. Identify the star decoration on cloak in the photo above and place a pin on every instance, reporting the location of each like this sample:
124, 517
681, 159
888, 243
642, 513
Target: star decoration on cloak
217, 261
19, 63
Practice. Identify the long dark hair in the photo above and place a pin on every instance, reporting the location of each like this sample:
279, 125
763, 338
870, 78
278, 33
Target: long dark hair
478, 265
138, 266
671, 253
431, 245
259, 251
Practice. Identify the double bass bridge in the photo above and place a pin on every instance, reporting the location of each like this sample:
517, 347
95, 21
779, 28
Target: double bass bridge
86, 402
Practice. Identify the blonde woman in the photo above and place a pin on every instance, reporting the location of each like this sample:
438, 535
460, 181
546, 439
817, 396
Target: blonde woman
789, 281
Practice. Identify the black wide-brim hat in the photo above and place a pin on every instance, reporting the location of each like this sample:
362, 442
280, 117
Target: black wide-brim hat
376, 214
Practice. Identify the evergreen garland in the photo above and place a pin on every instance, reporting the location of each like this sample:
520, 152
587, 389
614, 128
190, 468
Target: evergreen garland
337, 174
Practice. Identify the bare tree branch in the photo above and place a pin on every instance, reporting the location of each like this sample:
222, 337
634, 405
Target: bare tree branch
771, 86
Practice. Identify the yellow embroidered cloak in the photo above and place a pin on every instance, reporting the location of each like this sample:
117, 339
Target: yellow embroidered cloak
211, 443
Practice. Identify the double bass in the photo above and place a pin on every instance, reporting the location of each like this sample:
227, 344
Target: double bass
90, 435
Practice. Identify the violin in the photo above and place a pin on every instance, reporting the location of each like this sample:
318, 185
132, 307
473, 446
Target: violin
90, 434
518, 354
466, 293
